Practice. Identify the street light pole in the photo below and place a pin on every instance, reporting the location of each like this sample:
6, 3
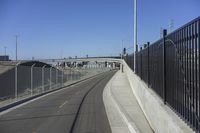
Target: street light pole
122, 49
16, 45
135, 32
5, 50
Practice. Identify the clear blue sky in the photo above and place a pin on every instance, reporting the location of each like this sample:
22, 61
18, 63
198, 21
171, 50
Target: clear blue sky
48, 28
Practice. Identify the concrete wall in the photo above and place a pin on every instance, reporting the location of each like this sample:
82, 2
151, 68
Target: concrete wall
161, 118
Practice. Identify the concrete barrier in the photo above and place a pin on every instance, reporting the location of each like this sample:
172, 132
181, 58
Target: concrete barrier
161, 118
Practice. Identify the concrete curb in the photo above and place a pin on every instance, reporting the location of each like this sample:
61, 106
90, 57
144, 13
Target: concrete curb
16, 103
131, 126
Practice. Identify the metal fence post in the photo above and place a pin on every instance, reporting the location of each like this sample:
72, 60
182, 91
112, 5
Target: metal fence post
164, 65
32, 79
50, 78
148, 73
76, 75
43, 78
16, 95
67, 76
199, 68
141, 62
71, 74
56, 77
62, 77
135, 63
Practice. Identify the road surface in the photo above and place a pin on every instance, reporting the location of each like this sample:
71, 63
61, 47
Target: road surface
76, 109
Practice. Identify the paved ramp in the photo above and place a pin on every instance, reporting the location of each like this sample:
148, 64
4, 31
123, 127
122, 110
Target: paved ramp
78, 108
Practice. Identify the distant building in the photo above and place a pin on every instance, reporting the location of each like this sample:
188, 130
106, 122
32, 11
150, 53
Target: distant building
4, 58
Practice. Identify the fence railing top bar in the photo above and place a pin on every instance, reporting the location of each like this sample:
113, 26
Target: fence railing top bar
151, 44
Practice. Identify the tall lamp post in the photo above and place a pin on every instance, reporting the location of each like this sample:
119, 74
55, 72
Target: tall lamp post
16, 36
5, 50
135, 32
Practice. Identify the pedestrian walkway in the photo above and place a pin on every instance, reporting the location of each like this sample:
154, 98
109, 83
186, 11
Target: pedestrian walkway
123, 110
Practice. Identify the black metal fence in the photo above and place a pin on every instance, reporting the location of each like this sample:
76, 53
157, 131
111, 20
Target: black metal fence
170, 67
129, 59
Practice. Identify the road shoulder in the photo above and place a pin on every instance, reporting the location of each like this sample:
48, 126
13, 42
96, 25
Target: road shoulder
123, 111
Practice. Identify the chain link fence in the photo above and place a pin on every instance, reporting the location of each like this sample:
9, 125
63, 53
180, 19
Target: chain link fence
18, 81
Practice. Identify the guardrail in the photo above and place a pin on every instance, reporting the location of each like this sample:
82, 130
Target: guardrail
170, 67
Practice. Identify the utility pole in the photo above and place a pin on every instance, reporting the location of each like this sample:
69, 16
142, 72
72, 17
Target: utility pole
135, 32
16, 36
171, 25
122, 49
5, 50
61, 54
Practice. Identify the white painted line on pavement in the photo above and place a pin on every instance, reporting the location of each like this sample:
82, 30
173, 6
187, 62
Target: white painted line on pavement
20, 105
63, 104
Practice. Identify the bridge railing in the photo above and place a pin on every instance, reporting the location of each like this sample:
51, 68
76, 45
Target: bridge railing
170, 67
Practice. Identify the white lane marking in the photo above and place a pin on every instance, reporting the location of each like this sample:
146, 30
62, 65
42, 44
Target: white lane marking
35, 99
63, 104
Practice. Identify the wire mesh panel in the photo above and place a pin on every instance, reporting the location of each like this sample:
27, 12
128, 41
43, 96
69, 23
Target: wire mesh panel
7, 84
23, 81
46, 79
37, 80
53, 78
60, 78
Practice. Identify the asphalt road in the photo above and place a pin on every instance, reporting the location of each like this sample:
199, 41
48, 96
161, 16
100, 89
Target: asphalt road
77, 109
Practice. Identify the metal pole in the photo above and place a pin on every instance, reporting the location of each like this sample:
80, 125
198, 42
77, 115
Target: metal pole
71, 73
148, 63
164, 66
43, 78
122, 49
50, 79
135, 32
62, 77
32, 79
16, 45
141, 62
16, 82
67, 76
5, 50
56, 77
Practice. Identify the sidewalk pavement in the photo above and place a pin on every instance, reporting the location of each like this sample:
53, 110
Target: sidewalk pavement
123, 111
